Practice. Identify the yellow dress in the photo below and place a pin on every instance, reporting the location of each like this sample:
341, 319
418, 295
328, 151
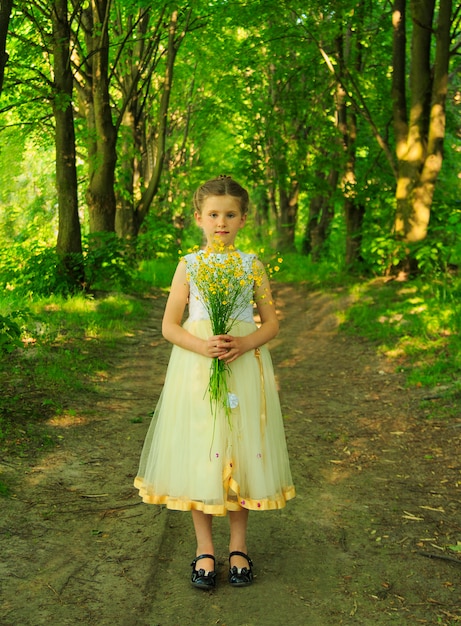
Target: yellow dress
190, 460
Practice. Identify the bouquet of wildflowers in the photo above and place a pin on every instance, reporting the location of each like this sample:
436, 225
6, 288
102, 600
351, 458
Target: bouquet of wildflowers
225, 289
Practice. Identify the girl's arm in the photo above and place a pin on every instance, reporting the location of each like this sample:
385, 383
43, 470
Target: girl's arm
269, 328
172, 329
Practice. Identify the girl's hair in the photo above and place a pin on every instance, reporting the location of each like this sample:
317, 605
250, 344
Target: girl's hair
221, 186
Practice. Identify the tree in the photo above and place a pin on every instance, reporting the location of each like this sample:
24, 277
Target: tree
138, 66
321, 209
342, 37
273, 80
175, 38
118, 91
93, 82
349, 54
42, 74
420, 111
69, 243
286, 97
5, 13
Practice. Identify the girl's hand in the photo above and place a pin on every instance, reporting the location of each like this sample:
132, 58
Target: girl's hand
231, 347
217, 346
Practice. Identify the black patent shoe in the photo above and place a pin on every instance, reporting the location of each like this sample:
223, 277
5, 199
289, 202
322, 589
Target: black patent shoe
240, 577
199, 578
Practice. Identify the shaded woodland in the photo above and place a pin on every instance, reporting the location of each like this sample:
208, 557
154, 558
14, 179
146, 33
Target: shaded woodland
341, 118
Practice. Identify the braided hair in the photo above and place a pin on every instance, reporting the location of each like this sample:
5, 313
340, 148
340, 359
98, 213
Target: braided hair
221, 186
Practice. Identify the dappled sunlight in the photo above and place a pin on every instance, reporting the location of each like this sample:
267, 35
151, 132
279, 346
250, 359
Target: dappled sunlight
62, 321
76, 304
56, 462
67, 420
394, 353
337, 118
355, 447
335, 473
67, 357
396, 18
48, 464
414, 325
403, 185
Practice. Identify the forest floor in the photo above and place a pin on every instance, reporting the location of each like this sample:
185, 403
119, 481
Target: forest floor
364, 542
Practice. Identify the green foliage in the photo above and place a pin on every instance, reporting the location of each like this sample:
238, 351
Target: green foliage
252, 96
297, 268
158, 237
110, 262
31, 267
383, 253
28, 195
156, 272
10, 332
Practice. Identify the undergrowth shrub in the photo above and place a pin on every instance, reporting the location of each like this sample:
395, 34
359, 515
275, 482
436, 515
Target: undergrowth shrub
109, 261
31, 268
10, 333
158, 238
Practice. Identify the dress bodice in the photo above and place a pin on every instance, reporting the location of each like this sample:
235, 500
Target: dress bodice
197, 309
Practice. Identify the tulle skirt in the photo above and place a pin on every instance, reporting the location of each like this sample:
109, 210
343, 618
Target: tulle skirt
192, 459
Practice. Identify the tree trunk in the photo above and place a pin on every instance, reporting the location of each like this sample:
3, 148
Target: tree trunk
354, 214
125, 224
69, 243
5, 13
354, 211
287, 216
321, 213
157, 147
100, 193
419, 134
143, 56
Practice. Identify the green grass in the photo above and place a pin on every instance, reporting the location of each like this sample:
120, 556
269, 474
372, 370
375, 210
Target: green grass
4, 490
67, 345
158, 273
416, 325
296, 268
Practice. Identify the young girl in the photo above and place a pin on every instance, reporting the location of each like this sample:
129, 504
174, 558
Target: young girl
230, 461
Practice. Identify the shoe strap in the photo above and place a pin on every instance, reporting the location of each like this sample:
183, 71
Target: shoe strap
203, 556
245, 556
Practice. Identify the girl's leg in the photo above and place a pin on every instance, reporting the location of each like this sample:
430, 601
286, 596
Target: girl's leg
238, 521
203, 534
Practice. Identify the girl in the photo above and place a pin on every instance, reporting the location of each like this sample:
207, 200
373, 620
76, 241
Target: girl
233, 460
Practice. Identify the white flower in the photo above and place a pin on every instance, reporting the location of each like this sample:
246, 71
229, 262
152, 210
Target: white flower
232, 401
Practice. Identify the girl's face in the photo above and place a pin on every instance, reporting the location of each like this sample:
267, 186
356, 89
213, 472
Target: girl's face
221, 217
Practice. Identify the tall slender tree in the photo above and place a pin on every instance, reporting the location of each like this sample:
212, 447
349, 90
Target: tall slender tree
349, 54
157, 145
69, 243
420, 109
93, 83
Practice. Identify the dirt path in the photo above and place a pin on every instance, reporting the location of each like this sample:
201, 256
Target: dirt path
378, 487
